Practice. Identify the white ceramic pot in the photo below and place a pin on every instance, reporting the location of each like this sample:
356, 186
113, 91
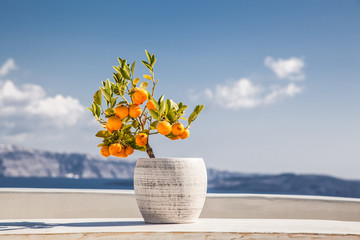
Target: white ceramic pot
170, 190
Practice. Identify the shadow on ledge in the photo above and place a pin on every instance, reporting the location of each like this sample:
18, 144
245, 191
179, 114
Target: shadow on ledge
8, 226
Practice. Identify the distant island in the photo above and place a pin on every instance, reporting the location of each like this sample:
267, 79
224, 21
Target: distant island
29, 168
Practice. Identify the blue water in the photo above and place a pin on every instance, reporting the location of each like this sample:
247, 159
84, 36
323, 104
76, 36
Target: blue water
127, 184
32, 182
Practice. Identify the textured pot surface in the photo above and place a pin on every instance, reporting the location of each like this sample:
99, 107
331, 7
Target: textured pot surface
170, 190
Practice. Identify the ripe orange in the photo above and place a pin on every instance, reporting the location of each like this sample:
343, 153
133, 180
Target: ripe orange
164, 128
114, 123
129, 150
175, 138
122, 153
121, 111
104, 151
134, 111
139, 96
141, 139
107, 128
177, 128
150, 105
185, 134
115, 149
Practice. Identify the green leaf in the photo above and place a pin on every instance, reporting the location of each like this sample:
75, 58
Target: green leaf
135, 124
98, 111
154, 114
148, 56
171, 116
161, 99
126, 128
116, 68
137, 147
106, 94
144, 85
101, 145
103, 134
121, 103
93, 108
109, 112
200, 109
168, 106
113, 102
97, 97
127, 69
120, 61
136, 81
162, 108
195, 113
154, 102
171, 135
108, 86
147, 65
125, 74
133, 68
153, 60
153, 125
115, 77
90, 110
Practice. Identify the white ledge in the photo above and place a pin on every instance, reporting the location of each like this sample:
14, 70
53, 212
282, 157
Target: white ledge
130, 228
208, 195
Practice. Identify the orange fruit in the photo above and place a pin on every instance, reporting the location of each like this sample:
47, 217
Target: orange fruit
115, 149
175, 138
129, 150
177, 128
164, 128
185, 134
150, 105
121, 111
114, 123
141, 139
107, 128
122, 153
134, 111
139, 96
105, 151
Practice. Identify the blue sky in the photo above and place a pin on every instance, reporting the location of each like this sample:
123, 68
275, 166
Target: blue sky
280, 79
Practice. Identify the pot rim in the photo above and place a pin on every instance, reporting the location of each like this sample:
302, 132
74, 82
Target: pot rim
171, 158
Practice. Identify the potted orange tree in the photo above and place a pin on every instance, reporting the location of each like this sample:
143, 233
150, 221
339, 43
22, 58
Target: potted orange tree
167, 190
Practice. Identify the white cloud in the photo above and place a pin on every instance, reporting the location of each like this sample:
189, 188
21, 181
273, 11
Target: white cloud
30, 102
8, 66
243, 93
278, 93
240, 94
291, 68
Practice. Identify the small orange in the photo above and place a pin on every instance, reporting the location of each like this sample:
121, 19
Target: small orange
141, 139
164, 128
129, 150
175, 138
114, 123
105, 151
107, 128
139, 96
134, 111
150, 105
115, 149
122, 111
122, 153
185, 134
177, 128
